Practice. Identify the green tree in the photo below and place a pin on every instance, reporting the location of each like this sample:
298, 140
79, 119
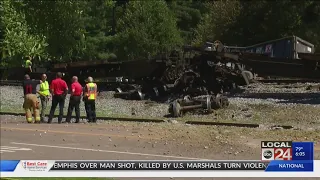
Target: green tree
60, 22
146, 29
245, 23
265, 20
17, 41
98, 28
2, 30
218, 23
188, 14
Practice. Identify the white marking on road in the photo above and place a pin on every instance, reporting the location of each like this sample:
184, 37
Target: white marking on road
107, 151
12, 149
8, 147
1, 150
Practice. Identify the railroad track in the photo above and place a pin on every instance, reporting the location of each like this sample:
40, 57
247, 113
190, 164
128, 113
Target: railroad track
287, 81
161, 120
278, 81
10, 83
19, 83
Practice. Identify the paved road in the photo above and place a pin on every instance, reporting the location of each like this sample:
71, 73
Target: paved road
77, 142
82, 141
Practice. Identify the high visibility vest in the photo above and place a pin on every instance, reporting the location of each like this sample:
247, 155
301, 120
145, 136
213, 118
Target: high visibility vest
28, 63
44, 88
92, 91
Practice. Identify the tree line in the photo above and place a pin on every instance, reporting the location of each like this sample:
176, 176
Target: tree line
86, 30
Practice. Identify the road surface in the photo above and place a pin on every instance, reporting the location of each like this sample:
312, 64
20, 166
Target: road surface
101, 142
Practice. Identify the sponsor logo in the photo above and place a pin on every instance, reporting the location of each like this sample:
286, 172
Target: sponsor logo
34, 165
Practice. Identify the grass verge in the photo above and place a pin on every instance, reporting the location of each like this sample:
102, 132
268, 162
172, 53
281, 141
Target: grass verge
298, 115
55, 178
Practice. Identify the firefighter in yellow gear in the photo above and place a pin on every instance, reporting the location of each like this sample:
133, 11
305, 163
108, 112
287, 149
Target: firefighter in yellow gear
89, 98
31, 102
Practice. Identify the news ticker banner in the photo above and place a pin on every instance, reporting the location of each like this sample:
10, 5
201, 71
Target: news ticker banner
284, 157
49, 168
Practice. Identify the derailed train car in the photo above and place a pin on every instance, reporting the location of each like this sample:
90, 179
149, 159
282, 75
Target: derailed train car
212, 69
283, 48
193, 72
289, 57
186, 73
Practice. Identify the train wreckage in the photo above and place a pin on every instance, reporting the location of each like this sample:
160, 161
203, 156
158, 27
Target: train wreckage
197, 78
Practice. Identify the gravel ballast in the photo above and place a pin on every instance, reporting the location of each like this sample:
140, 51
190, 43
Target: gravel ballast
263, 103
106, 105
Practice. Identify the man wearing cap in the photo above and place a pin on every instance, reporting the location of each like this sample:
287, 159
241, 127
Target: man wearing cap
89, 98
75, 99
59, 90
31, 102
44, 93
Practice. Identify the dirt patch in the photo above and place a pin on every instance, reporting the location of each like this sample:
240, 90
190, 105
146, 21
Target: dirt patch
297, 116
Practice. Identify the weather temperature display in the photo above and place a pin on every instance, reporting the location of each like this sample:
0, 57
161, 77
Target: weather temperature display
300, 154
288, 156
302, 151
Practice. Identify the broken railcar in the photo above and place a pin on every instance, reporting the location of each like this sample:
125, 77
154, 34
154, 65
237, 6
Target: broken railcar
283, 48
121, 76
290, 57
190, 72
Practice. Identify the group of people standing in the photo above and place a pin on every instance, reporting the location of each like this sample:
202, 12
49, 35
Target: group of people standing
58, 90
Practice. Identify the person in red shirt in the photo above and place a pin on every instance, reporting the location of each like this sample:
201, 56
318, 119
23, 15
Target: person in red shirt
59, 90
75, 99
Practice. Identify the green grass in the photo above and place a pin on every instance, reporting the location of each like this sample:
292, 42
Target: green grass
55, 178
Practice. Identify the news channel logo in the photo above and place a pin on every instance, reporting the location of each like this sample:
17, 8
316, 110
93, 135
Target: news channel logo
276, 150
267, 154
35, 165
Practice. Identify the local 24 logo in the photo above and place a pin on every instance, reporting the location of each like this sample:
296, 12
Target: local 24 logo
276, 150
